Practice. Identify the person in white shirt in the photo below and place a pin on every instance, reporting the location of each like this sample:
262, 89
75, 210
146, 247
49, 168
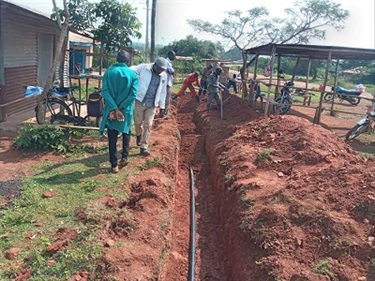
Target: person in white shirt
151, 94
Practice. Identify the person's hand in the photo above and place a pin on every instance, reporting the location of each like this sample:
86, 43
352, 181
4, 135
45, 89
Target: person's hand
112, 115
119, 116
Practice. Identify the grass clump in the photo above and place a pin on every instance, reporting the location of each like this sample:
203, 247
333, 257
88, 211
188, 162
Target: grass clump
322, 267
264, 154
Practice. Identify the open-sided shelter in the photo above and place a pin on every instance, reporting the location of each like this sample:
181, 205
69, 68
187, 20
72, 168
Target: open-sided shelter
328, 53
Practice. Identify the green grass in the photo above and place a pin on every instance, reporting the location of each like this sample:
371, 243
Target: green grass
264, 154
75, 186
322, 267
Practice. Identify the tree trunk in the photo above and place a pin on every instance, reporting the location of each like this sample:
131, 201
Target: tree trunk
243, 76
60, 47
153, 27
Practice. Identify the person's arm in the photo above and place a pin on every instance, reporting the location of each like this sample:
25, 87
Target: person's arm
108, 98
132, 91
170, 70
137, 68
197, 81
224, 88
163, 93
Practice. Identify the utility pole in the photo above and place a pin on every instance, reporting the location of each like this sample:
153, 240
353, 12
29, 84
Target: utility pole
147, 24
153, 16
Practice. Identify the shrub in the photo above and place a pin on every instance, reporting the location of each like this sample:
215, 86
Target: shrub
42, 138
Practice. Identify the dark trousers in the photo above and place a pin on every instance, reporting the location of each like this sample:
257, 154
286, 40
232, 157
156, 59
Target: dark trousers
203, 88
112, 144
234, 84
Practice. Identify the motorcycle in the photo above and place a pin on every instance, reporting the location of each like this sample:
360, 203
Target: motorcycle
364, 124
351, 96
285, 98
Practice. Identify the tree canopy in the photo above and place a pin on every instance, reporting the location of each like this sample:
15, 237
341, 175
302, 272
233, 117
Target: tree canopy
191, 46
119, 24
303, 22
110, 21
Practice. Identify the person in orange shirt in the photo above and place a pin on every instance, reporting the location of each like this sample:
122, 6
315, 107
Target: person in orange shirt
189, 80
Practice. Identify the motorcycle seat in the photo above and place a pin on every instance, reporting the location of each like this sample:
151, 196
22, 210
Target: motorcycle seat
342, 90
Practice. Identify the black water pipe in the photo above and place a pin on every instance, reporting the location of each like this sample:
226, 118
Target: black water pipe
192, 229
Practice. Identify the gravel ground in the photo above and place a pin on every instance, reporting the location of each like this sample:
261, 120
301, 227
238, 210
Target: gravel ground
8, 191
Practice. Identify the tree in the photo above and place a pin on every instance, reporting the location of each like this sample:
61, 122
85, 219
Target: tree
63, 27
253, 28
117, 24
191, 46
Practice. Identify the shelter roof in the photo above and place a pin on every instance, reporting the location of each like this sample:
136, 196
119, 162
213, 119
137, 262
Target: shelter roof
184, 58
314, 51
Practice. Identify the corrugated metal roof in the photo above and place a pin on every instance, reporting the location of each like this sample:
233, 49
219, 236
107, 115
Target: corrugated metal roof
315, 51
27, 8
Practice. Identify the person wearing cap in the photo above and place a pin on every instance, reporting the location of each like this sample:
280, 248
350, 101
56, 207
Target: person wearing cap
151, 94
120, 86
171, 55
189, 80
213, 87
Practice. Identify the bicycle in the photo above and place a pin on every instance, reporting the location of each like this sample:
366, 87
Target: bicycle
61, 107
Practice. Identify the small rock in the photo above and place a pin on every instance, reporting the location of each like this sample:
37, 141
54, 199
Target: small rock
280, 174
110, 242
371, 239
366, 221
48, 194
30, 235
299, 242
12, 253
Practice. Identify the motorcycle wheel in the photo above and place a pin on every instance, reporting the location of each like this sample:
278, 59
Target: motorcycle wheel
328, 96
354, 100
286, 105
356, 131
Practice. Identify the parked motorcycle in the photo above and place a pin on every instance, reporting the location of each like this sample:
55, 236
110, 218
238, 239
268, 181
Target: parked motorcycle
364, 124
285, 98
351, 96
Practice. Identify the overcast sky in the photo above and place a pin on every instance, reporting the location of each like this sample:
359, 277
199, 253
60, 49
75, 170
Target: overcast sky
171, 24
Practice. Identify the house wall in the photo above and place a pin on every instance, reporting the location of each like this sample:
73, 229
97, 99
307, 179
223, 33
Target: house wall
27, 48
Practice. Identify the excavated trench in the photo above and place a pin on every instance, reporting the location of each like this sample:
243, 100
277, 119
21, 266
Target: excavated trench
221, 254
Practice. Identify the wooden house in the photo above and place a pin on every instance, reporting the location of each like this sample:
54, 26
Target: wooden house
27, 44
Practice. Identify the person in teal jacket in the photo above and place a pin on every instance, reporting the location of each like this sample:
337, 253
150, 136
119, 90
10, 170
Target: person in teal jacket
120, 86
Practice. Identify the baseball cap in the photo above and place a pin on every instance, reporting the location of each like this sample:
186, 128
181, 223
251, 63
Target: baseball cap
161, 62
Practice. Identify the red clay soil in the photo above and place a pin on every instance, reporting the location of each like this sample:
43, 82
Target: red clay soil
277, 198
